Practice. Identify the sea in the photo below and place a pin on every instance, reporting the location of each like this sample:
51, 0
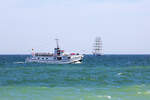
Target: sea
106, 77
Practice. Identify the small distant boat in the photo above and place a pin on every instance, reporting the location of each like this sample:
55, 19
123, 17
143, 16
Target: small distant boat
58, 57
97, 51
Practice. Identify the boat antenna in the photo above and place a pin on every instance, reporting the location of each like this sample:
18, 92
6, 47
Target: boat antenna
57, 43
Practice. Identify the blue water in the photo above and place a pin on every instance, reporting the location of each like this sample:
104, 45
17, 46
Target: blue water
108, 77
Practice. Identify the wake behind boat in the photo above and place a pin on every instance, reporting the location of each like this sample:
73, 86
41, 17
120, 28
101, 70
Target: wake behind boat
58, 57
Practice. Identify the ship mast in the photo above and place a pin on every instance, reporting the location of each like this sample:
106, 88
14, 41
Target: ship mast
57, 43
57, 50
97, 46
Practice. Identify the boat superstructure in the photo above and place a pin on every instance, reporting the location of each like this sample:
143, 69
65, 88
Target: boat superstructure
58, 57
97, 46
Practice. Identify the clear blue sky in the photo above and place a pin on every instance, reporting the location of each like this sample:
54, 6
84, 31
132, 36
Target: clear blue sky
124, 25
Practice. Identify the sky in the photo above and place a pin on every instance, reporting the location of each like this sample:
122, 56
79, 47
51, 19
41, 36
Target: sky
123, 25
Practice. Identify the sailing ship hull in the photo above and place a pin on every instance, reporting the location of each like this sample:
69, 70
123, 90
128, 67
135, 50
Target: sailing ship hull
97, 54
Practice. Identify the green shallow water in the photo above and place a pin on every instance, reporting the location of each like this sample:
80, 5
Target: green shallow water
137, 92
109, 77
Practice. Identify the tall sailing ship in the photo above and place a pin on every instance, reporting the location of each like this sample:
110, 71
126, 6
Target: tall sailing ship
97, 48
58, 57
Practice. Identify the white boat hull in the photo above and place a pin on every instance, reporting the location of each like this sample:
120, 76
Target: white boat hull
73, 60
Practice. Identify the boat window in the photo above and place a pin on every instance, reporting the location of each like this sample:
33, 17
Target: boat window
58, 58
46, 58
42, 58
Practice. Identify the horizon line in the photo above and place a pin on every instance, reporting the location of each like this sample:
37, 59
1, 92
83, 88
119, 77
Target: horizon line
92, 54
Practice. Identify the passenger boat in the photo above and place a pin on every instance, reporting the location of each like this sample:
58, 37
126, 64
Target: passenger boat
58, 57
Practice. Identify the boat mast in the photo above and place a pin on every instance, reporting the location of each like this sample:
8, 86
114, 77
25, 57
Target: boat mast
57, 50
57, 43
